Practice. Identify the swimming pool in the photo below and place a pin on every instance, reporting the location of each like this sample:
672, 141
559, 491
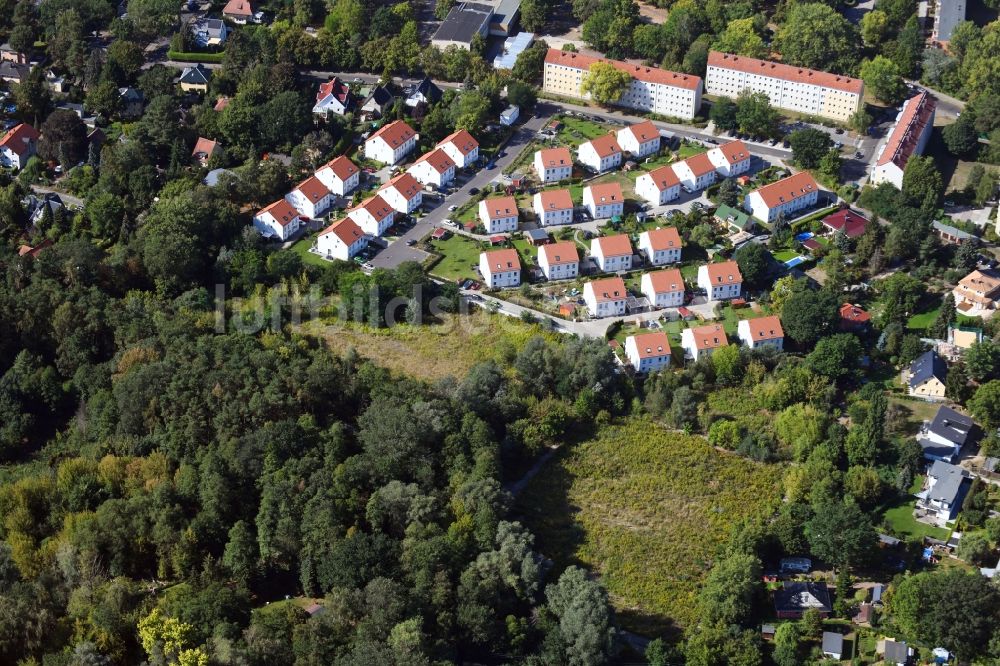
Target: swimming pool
794, 261
804, 236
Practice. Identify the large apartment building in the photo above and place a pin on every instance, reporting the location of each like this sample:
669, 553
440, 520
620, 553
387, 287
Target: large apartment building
908, 138
652, 89
947, 14
788, 87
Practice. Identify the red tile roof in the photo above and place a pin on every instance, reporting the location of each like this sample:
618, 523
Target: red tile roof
221, 103
499, 261
709, 337
666, 281
917, 112
347, 230
851, 223
725, 272
734, 152
664, 238
614, 246
281, 211
700, 164
342, 167
438, 159
784, 72
395, 134
639, 72
313, 189
663, 178
608, 289
334, 87
554, 157
603, 194
765, 328
464, 142
650, 345
853, 314
500, 207
556, 199
407, 186
644, 131
376, 207
605, 145
788, 189
204, 147
563, 252
241, 8
19, 138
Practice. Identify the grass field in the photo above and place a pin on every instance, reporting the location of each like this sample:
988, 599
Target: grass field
916, 412
900, 518
646, 508
301, 248
458, 255
432, 351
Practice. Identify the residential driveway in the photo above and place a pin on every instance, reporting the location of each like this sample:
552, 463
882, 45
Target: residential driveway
398, 252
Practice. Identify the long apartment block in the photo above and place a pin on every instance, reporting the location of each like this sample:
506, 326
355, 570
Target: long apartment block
788, 87
652, 89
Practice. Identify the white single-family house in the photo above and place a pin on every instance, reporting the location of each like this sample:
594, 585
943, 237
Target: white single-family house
553, 207
605, 298
334, 96
945, 491
340, 175
559, 261
730, 159
639, 140
600, 154
664, 289
926, 376
310, 198
695, 173
279, 220
945, 437
661, 245
403, 193
498, 214
373, 215
18, 146
604, 200
703, 340
434, 168
391, 143
500, 268
784, 197
341, 240
612, 253
461, 147
659, 186
648, 352
721, 281
553, 164
761, 332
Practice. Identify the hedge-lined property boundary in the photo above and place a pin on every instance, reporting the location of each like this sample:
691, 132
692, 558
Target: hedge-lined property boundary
181, 56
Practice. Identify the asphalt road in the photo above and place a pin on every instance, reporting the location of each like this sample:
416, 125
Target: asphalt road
398, 251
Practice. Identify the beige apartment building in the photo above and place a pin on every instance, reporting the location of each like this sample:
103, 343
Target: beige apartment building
788, 87
652, 89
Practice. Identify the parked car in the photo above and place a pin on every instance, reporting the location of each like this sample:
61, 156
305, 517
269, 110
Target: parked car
411, 242
452, 208
473, 190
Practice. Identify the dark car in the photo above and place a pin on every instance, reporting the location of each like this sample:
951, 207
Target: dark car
411, 243
491, 165
839, 131
473, 190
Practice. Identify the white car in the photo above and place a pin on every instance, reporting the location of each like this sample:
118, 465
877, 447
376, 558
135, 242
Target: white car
452, 209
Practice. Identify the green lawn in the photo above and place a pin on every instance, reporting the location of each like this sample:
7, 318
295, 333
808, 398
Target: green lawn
577, 130
923, 320
458, 256
301, 248
785, 255
899, 517
731, 318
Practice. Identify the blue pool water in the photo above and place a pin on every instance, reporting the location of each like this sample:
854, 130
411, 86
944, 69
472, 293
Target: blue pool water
804, 236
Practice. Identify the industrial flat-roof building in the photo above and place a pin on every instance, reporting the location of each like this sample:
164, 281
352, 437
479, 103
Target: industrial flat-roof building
512, 48
463, 23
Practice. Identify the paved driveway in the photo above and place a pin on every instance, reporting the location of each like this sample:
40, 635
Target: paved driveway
398, 252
